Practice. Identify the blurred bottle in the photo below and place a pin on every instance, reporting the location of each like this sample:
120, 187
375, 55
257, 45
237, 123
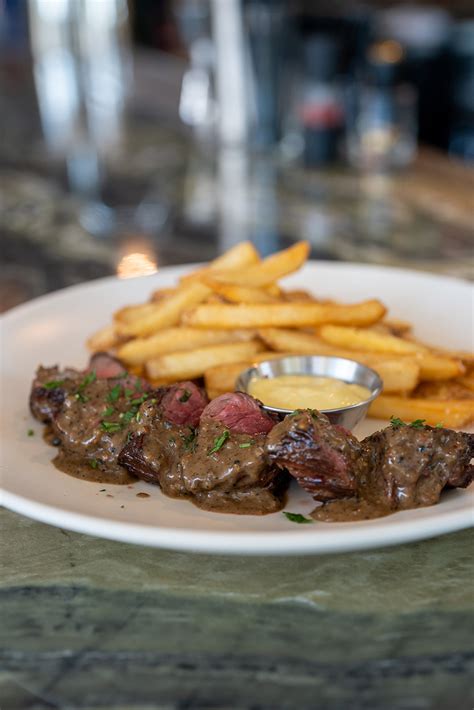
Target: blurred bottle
321, 111
461, 137
381, 124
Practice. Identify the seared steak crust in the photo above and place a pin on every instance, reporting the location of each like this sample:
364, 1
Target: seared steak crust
324, 459
407, 467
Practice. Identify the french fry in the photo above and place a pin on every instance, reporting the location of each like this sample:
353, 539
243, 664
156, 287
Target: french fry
450, 413
367, 340
248, 315
103, 340
241, 256
438, 367
160, 293
240, 294
129, 314
268, 270
222, 378
430, 367
398, 374
167, 312
444, 389
169, 340
189, 364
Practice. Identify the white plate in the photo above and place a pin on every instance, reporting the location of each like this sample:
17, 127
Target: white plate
53, 330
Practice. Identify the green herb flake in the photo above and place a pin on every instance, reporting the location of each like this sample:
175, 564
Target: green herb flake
108, 412
189, 440
138, 400
439, 425
88, 380
111, 427
418, 423
93, 463
128, 392
30, 432
246, 444
53, 384
81, 397
396, 422
138, 385
185, 396
128, 416
114, 393
296, 517
219, 442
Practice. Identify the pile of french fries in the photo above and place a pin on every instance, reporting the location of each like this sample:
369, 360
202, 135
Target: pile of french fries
232, 313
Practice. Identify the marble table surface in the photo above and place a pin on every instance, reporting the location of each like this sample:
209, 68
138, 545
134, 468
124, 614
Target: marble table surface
89, 623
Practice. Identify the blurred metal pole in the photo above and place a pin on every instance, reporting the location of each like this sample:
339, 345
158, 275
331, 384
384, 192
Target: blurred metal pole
227, 25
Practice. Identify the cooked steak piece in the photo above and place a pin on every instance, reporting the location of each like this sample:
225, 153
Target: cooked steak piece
51, 384
93, 425
227, 469
163, 434
324, 459
105, 366
183, 404
407, 467
398, 468
240, 413
49, 390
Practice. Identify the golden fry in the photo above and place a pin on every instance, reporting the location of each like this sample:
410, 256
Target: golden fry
167, 312
169, 340
398, 374
450, 413
104, 339
283, 314
241, 256
189, 364
129, 314
239, 294
269, 270
367, 340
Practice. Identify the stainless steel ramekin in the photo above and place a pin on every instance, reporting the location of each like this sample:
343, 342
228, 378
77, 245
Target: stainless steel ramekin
340, 368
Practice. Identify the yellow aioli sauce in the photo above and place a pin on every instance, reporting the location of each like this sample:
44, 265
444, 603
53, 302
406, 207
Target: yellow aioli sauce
306, 392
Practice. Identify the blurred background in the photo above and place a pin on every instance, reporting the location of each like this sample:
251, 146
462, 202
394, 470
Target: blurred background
149, 132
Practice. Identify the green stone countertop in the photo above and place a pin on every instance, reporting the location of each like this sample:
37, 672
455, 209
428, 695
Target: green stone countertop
89, 623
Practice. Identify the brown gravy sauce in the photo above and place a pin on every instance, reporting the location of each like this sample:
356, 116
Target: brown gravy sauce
348, 510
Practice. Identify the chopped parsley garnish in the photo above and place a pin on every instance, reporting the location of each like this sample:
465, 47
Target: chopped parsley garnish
138, 385
111, 427
297, 517
439, 425
139, 400
108, 412
30, 432
88, 380
189, 440
127, 416
219, 442
52, 384
246, 445
93, 463
418, 423
185, 396
114, 393
128, 392
415, 424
